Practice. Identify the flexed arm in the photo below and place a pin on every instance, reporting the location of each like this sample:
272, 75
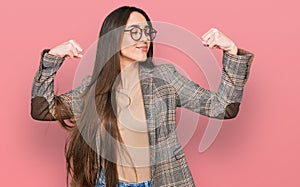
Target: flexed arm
223, 104
44, 104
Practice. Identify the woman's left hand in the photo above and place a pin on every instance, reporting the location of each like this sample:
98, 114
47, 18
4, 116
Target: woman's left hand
216, 39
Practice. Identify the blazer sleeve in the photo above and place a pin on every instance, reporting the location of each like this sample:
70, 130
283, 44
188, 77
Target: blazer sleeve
223, 104
45, 105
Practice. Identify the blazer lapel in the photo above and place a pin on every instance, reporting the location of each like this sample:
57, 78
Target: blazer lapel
147, 85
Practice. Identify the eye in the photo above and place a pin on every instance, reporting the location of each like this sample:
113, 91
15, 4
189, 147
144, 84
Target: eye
135, 31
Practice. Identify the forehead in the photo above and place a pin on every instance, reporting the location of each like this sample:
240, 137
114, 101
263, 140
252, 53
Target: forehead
136, 18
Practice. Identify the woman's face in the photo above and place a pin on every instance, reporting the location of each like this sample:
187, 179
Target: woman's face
132, 50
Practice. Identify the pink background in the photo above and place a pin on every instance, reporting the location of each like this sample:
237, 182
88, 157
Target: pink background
258, 148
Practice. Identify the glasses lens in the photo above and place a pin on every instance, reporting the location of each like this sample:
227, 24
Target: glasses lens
136, 33
150, 33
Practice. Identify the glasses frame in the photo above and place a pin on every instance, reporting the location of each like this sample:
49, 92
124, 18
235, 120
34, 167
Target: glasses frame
152, 30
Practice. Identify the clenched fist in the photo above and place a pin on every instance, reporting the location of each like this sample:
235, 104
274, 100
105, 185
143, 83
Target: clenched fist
67, 49
216, 39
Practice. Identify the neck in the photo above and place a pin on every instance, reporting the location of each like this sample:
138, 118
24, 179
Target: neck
128, 65
129, 75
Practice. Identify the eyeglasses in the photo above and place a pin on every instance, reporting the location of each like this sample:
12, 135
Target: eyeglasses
136, 33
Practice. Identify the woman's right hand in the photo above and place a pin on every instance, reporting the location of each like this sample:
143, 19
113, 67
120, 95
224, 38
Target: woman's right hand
67, 49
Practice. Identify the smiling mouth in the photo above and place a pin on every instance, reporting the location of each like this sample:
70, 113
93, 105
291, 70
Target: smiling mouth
143, 48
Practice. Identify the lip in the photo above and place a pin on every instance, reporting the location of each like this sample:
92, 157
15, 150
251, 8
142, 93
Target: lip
143, 48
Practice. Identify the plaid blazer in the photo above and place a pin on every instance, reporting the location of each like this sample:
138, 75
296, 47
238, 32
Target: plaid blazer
163, 90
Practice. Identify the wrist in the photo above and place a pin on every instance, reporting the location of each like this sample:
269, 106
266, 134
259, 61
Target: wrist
50, 52
233, 49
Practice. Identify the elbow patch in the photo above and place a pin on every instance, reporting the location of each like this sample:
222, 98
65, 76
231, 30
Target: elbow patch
231, 110
40, 109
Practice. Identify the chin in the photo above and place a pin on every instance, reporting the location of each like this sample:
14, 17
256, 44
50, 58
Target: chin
144, 58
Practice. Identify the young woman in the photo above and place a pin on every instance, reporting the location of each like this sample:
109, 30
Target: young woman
124, 114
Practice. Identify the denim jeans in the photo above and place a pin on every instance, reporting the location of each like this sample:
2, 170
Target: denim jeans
102, 183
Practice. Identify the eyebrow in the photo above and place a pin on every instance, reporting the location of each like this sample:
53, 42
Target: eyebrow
135, 25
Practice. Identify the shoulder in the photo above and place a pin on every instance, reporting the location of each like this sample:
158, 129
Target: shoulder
149, 69
165, 72
163, 69
161, 75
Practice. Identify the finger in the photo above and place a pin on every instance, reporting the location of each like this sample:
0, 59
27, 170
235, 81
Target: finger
76, 45
208, 34
213, 43
79, 56
75, 52
216, 41
70, 54
204, 43
210, 40
79, 48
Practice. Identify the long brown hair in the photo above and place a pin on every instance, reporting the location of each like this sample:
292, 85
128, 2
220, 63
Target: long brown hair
86, 153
